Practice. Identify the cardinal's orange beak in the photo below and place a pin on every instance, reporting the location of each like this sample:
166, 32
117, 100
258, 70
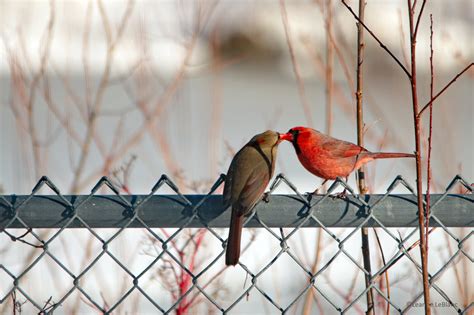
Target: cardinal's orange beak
286, 136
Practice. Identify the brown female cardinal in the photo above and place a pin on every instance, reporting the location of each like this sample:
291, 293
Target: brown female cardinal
329, 158
248, 175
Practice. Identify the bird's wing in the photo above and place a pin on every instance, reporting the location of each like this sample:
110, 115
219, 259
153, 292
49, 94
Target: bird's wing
227, 194
253, 176
341, 149
254, 188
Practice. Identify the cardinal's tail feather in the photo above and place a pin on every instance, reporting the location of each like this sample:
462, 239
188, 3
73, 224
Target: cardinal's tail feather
233, 241
390, 155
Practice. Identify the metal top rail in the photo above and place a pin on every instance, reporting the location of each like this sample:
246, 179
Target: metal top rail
193, 211
109, 211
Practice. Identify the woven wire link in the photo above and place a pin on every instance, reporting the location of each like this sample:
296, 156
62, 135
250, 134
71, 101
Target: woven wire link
167, 250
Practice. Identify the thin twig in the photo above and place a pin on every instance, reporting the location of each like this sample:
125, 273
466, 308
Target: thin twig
33, 133
360, 141
215, 128
419, 16
419, 176
21, 238
359, 91
296, 69
149, 123
104, 82
445, 88
387, 282
430, 134
314, 267
326, 7
412, 246
377, 40
402, 39
338, 90
329, 68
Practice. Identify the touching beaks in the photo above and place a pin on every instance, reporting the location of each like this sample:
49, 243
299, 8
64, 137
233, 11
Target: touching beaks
286, 136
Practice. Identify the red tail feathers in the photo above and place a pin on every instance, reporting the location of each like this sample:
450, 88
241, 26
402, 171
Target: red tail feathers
383, 155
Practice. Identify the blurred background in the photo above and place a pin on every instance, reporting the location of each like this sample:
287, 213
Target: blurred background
135, 89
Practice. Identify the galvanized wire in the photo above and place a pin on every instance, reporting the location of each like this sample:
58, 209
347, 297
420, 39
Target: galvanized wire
308, 207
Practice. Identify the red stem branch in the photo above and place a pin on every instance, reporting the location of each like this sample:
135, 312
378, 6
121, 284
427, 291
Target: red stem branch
419, 176
430, 134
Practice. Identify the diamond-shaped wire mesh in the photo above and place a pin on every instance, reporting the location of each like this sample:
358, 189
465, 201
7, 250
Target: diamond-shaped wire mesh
67, 254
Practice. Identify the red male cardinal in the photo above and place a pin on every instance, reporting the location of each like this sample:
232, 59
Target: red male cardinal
329, 158
248, 175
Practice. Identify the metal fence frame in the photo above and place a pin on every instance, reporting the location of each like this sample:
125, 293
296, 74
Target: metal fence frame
206, 211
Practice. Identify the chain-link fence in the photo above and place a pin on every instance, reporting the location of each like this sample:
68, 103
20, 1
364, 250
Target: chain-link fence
52, 246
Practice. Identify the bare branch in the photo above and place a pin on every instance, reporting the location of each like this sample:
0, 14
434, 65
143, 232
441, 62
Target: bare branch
296, 68
430, 136
104, 82
377, 40
445, 88
387, 282
419, 174
419, 17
